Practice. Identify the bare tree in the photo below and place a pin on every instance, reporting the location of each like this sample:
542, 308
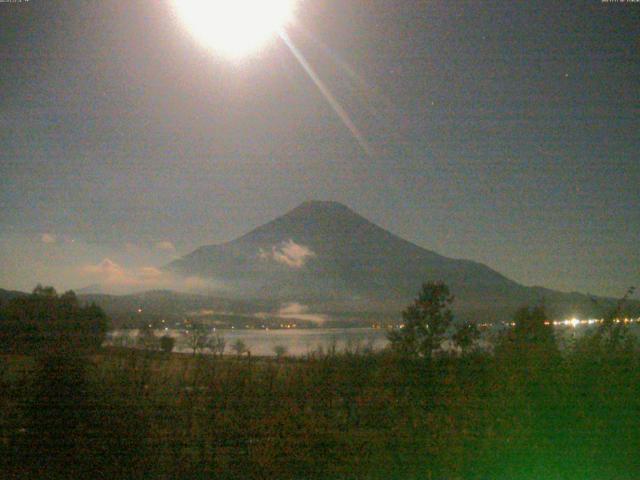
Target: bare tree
217, 344
197, 337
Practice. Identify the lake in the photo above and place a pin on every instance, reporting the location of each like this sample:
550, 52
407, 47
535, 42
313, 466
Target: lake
299, 342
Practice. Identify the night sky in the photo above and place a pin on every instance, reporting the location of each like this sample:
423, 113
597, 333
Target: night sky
503, 132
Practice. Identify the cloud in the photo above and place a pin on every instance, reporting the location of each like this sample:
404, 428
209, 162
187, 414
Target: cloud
202, 313
298, 311
150, 272
117, 279
293, 308
106, 268
165, 246
288, 253
48, 238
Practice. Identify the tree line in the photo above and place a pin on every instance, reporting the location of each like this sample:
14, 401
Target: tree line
45, 322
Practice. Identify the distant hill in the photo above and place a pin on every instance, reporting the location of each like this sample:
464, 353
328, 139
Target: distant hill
10, 294
326, 256
94, 289
159, 302
130, 310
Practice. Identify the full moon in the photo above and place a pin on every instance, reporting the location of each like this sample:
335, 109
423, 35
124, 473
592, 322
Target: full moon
234, 28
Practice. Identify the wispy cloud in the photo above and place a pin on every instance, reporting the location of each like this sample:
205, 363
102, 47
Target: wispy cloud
48, 238
115, 278
298, 311
107, 269
288, 253
165, 246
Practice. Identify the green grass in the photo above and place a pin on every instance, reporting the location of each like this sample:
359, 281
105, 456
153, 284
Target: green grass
149, 415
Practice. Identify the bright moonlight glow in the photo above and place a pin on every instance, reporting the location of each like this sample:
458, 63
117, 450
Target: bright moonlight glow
234, 27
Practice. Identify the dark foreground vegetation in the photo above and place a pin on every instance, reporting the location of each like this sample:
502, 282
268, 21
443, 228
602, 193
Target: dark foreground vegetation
527, 411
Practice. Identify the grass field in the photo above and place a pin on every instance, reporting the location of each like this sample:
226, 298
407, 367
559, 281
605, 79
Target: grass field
136, 414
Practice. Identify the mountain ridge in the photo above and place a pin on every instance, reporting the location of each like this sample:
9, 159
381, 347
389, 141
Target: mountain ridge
324, 254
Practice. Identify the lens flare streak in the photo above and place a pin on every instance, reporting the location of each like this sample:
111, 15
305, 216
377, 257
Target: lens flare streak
338, 109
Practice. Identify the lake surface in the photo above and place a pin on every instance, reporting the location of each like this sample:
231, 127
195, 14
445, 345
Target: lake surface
300, 342
297, 342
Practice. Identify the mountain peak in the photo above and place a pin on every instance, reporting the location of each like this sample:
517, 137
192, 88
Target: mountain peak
333, 218
312, 218
323, 205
